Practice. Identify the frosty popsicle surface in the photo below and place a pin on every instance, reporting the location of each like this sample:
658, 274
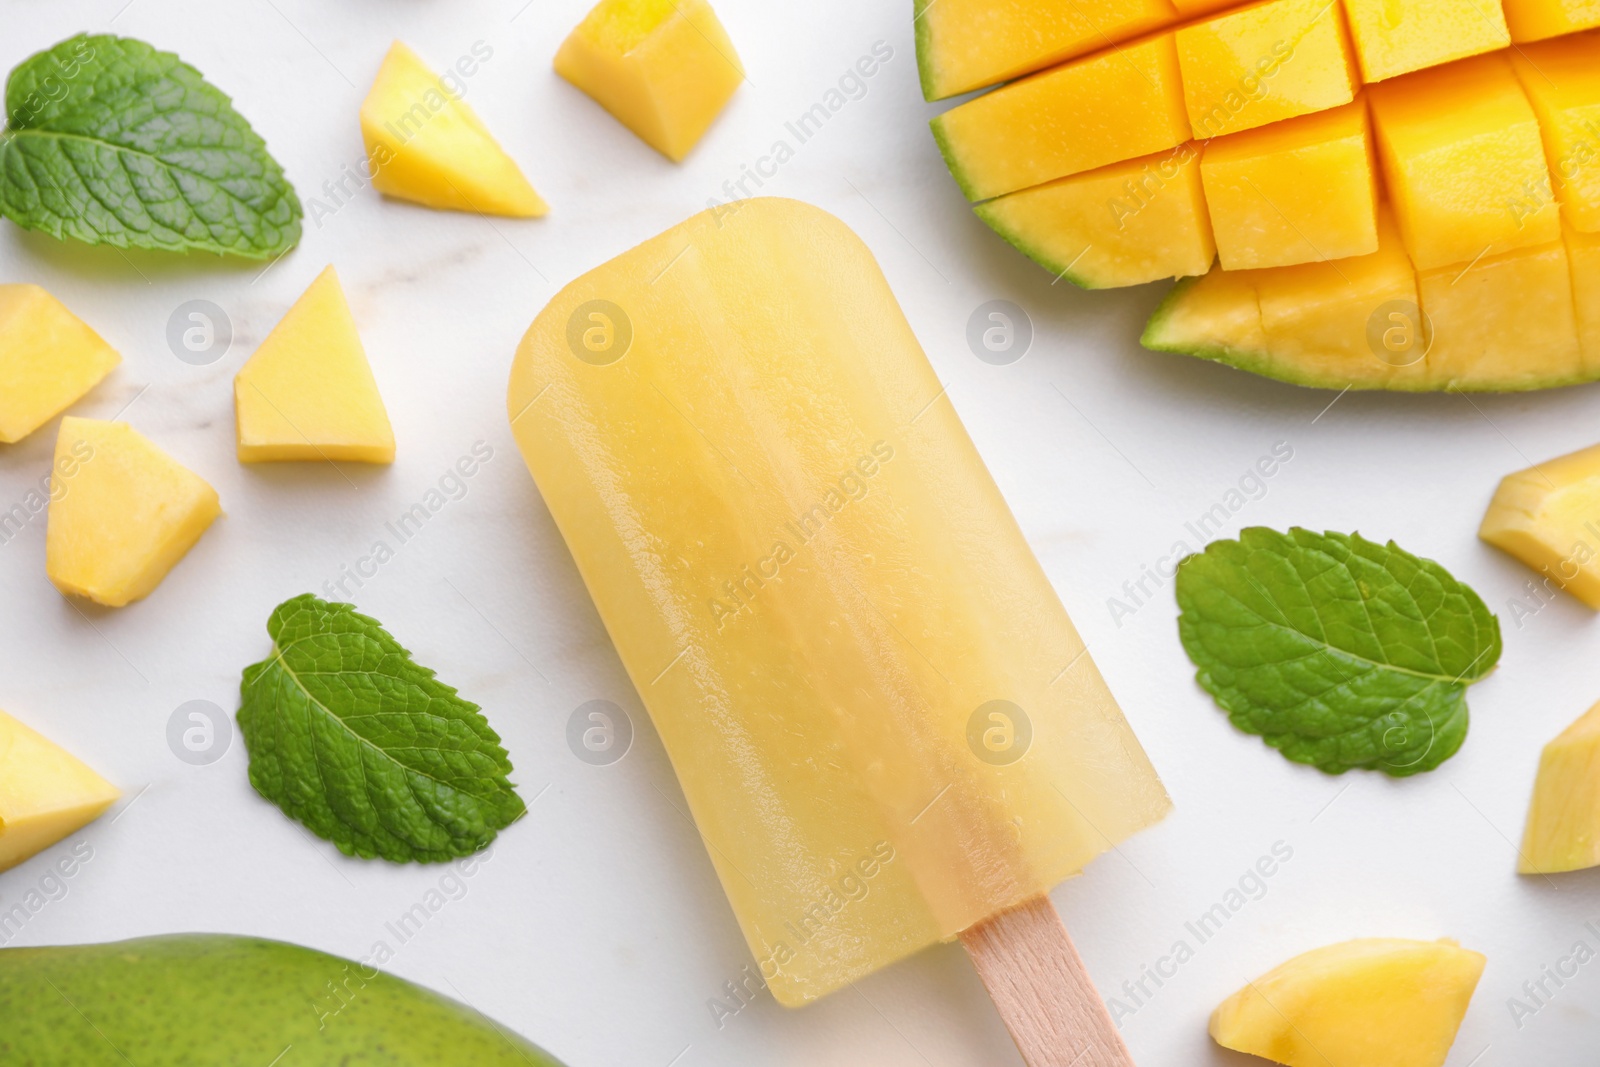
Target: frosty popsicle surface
885, 726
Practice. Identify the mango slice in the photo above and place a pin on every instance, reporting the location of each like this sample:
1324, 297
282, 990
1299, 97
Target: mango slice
48, 359
1125, 224
1054, 124
1463, 162
1562, 80
45, 793
426, 145
1535, 20
1264, 63
1548, 516
308, 392
967, 44
1294, 192
1376, 1002
1397, 36
127, 514
663, 68
1563, 830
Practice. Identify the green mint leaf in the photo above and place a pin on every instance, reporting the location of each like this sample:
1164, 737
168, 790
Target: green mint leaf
368, 749
110, 141
1338, 651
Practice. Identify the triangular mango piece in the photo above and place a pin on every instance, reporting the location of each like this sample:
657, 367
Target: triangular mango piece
425, 145
45, 793
122, 512
1563, 831
1371, 1001
308, 392
48, 359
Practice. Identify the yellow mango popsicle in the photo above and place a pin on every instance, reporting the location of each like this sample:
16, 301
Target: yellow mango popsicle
885, 725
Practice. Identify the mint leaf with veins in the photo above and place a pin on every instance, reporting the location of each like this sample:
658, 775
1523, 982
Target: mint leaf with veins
110, 141
1338, 651
351, 737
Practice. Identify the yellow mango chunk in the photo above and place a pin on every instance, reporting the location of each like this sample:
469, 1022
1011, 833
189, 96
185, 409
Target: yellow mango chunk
1394, 37
308, 392
1126, 224
1488, 317
1583, 257
426, 145
1362, 1003
48, 359
1297, 191
1463, 162
1562, 80
968, 44
1548, 517
1535, 20
1563, 830
1121, 104
1265, 63
127, 514
45, 793
663, 68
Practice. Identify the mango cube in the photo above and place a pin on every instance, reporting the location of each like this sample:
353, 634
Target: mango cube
308, 392
1265, 63
967, 44
1294, 192
1583, 257
1563, 829
1394, 37
1534, 20
1463, 162
1371, 1001
425, 145
1562, 80
1487, 317
1548, 516
48, 359
1118, 105
663, 68
1126, 224
45, 793
126, 514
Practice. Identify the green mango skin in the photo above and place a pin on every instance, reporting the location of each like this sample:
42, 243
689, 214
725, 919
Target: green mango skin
204, 1000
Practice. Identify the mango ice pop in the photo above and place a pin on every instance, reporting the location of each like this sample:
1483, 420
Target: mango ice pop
885, 725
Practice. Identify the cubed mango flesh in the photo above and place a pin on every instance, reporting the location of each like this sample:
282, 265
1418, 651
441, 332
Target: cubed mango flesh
308, 392
46, 793
1463, 162
1536, 20
1562, 80
426, 145
48, 359
1563, 828
124, 512
969, 44
1489, 315
1548, 516
1127, 224
1394, 37
1360, 1003
1264, 63
1121, 104
1583, 257
1296, 191
664, 68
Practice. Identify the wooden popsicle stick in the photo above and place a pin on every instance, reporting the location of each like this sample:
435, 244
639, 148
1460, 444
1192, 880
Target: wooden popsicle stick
1040, 987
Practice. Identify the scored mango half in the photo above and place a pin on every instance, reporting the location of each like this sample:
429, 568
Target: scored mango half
1472, 125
